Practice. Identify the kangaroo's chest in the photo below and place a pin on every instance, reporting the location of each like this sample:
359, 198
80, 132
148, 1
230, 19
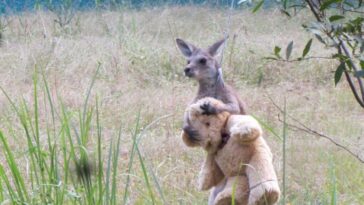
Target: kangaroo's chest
217, 95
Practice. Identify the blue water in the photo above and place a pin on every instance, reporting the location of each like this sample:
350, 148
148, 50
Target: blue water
13, 6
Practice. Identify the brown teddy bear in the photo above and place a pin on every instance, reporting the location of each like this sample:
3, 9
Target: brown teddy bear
238, 162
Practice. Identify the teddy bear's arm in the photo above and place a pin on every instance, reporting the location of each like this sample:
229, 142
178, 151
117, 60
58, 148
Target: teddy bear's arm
243, 128
264, 187
210, 174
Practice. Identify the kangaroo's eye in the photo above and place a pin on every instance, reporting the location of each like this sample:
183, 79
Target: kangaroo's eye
202, 61
188, 62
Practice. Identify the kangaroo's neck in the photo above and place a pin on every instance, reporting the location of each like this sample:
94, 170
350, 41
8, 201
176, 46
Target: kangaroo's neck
211, 87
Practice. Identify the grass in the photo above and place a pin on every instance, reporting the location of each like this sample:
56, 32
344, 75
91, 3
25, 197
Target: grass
106, 94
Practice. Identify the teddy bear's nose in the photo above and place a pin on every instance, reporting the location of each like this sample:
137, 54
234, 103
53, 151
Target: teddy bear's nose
192, 133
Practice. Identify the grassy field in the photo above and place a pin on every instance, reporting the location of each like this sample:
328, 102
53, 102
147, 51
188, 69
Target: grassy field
139, 95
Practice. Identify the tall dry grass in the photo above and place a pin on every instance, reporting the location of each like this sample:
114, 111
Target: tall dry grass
140, 80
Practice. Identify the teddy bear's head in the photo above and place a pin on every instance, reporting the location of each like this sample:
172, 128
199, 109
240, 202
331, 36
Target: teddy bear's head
210, 127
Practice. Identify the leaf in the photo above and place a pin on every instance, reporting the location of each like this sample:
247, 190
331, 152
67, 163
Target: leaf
270, 58
277, 50
357, 21
339, 72
335, 18
257, 7
349, 63
327, 3
285, 4
349, 4
340, 57
285, 12
320, 39
362, 64
289, 50
359, 74
243, 1
307, 48
315, 31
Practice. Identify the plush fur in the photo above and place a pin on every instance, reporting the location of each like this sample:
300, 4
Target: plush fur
237, 156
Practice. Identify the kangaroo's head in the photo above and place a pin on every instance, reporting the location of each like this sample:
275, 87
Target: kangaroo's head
202, 64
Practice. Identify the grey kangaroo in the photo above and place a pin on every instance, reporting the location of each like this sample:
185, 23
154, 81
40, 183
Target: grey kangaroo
203, 66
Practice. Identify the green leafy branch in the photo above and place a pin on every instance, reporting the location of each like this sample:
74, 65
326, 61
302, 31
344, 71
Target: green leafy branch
338, 30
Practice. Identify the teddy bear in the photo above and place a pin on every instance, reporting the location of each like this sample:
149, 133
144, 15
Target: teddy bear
238, 163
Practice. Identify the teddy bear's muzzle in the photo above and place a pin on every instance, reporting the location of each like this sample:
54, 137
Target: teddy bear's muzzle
192, 134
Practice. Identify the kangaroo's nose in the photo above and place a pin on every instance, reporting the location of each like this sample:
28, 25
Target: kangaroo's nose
188, 72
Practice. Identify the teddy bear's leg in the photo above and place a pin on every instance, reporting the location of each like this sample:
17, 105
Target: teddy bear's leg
237, 187
210, 174
243, 128
215, 191
264, 188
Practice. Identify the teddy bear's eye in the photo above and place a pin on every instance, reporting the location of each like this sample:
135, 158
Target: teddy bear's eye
207, 124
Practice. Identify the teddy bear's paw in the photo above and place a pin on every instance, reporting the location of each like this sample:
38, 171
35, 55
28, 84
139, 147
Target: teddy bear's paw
245, 132
267, 193
223, 199
269, 198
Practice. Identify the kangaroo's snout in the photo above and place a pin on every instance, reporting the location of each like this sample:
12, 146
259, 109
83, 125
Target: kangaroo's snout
188, 72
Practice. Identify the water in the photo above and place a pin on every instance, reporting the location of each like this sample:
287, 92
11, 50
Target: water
13, 6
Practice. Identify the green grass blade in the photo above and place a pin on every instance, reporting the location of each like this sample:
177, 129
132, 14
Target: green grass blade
99, 154
11, 191
268, 127
159, 188
145, 174
108, 174
131, 158
89, 91
33, 148
284, 152
18, 179
333, 184
10, 101
50, 100
1, 190
115, 169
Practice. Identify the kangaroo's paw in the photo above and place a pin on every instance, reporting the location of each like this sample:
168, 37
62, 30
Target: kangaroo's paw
208, 109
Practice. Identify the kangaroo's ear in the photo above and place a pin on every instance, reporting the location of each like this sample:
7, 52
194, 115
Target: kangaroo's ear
186, 48
216, 48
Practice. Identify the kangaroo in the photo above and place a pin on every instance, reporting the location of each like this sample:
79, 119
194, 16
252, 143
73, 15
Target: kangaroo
203, 66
